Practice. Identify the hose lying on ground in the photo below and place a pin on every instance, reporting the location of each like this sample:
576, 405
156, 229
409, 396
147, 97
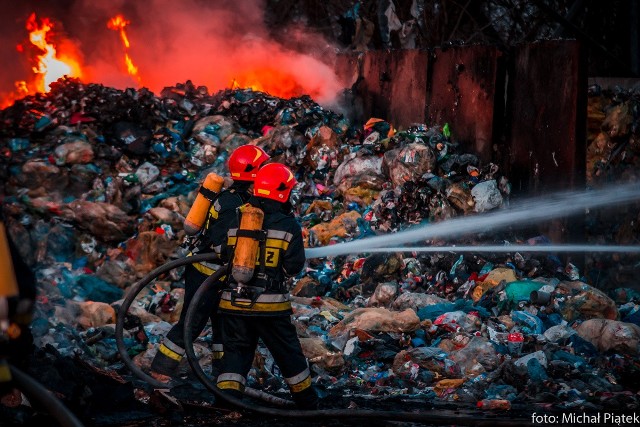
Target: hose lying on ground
124, 309
36, 392
434, 416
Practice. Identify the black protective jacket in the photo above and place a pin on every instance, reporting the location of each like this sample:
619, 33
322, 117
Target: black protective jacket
283, 256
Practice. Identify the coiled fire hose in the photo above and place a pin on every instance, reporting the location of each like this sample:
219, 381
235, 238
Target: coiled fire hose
433, 416
36, 392
124, 309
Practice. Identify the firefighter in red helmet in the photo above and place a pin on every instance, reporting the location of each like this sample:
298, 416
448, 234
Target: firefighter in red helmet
257, 306
243, 165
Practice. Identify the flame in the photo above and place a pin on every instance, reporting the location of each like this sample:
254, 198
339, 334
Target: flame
50, 66
272, 81
49, 63
118, 23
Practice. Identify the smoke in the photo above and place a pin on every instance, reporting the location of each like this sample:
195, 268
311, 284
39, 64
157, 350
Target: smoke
209, 43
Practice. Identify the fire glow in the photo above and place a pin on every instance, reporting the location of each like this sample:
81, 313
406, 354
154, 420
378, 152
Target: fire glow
50, 65
117, 23
271, 81
219, 48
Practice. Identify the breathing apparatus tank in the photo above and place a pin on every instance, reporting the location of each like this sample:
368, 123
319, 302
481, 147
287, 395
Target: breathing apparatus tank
198, 212
247, 244
8, 283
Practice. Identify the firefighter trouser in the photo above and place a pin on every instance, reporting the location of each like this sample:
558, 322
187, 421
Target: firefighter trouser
171, 351
240, 336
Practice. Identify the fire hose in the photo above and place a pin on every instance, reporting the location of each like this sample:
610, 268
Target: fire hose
432, 417
36, 392
124, 309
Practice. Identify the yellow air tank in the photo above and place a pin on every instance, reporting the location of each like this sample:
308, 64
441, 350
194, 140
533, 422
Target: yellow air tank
198, 212
8, 283
246, 251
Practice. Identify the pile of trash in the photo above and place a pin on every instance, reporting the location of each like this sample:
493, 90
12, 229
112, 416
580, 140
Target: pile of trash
613, 156
98, 182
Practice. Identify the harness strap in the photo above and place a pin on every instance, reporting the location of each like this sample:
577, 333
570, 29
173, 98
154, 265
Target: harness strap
208, 194
259, 235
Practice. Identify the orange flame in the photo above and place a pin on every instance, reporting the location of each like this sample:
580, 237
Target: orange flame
118, 23
49, 63
50, 66
272, 81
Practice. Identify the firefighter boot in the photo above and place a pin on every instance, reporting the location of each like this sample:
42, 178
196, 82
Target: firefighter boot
306, 399
165, 362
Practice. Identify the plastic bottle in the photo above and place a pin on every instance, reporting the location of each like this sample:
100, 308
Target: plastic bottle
500, 404
515, 342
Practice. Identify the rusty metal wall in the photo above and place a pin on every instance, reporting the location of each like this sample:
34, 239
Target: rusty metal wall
463, 91
546, 117
536, 131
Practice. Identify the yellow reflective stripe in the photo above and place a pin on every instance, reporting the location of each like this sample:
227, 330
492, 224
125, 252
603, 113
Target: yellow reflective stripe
299, 377
206, 270
278, 234
297, 388
230, 376
259, 306
277, 244
217, 355
203, 269
226, 295
213, 211
169, 353
230, 385
173, 346
270, 243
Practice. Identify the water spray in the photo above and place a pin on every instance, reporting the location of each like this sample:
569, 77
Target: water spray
525, 213
501, 249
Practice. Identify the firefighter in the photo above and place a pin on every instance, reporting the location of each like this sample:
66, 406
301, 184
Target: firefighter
243, 165
258, 305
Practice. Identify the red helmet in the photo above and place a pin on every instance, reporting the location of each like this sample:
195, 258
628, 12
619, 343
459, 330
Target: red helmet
245, 161
274, 181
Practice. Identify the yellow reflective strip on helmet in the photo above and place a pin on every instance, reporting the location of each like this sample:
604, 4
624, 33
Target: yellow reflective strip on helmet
230, 385
235, 174
301, 386
290, 175
263, 191
259, 306
169, 353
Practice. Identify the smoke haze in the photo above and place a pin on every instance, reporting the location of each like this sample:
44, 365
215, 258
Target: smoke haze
210, 43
